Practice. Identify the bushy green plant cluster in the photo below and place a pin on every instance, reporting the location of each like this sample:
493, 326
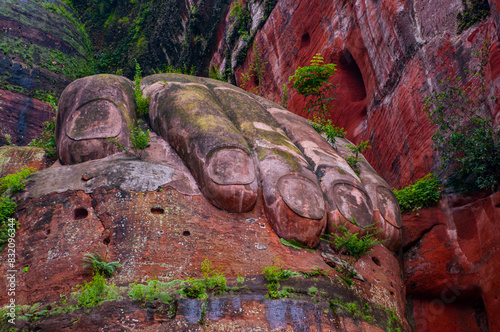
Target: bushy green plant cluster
326, 128
366, 312
242, 17
15, 183
356, 150
467, 143
274, 275
9, 185
47, 139
213, 281
139, 141
357, 311
256, 71
474, 11
95, 292
313, 83
153, 290
142, 103
98, 264
423, 193
353, 244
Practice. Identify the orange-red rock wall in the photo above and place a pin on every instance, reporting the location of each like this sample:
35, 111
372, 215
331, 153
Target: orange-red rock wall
452, 262
389, 57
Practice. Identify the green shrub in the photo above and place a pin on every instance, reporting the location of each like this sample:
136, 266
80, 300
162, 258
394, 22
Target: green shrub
474, 11
355, 309
284, 95
15, 183
213, 281
99, 265
9, 185
423, 193
47, 139
313, 83
354, 159
153, 290
255, 71
351, 244
325, 127
467, 143
139, 141
274, 275
142, 103
95, 292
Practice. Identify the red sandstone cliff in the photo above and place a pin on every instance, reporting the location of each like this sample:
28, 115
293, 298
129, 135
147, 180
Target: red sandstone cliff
390, 55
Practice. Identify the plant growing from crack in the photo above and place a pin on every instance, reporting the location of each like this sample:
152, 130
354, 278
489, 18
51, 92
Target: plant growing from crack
98, 264
352, 245
468, 145
139, 141
9, 186
356, 152
313, 83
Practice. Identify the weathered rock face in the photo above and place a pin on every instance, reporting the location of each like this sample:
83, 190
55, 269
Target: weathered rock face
389, 57
451, 258
22, 117
13, 159
155, 33
42, 49
150, 216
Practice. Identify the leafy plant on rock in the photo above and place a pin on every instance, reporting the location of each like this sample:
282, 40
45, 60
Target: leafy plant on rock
352, 245
425, 192
99, 265
326, 128
139, 141
95, 292
256, 71
10, 185
467, 143
474, 11
47, 139
274, 275
356, 150
213, 281
313, 83
142, 103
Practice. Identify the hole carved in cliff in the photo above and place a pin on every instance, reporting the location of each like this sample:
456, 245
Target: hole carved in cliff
80, 213
305, 40
353, 78
186, 233
376, 261
157, 210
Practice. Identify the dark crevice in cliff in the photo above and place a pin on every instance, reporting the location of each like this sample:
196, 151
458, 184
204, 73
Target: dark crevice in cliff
105, 235
410, 245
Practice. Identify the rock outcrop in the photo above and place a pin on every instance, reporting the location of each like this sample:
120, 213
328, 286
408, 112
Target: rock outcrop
451, 258
150, 215
42, 49
390, 56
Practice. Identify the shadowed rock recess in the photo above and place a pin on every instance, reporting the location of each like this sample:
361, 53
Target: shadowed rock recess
222, 223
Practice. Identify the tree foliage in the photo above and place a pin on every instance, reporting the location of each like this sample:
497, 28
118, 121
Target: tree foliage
465, 138
313, 82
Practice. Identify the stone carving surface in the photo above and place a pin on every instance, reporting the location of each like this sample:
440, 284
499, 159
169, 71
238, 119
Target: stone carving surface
236, 146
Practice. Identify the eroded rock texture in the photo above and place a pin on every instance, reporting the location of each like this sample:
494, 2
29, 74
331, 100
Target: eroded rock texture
390, 55
42, 49
451, 260
151, 216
